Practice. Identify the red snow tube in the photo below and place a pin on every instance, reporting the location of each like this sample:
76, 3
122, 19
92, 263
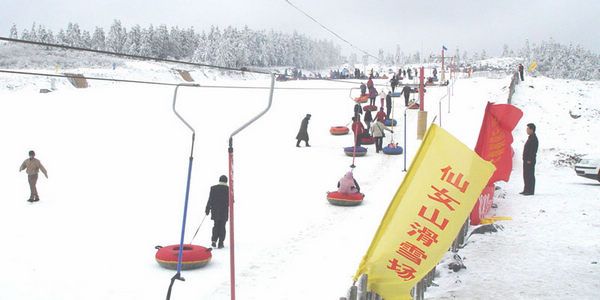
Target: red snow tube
413, 105
362, 99
339, 130
370, 108
368, 140
194, 256
344, 199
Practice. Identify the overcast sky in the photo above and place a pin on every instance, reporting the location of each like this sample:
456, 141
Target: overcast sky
415, 25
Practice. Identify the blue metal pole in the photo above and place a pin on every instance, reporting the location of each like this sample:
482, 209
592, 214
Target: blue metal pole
177, 275
185, 206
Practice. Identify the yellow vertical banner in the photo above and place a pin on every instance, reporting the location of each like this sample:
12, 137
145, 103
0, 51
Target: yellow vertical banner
428, 210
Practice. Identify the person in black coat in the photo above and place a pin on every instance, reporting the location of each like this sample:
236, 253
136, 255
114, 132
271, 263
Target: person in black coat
218, 204
521, 69
388, 105
363, 89
529, 158
406, 90
303, 132
393, 82
357, 110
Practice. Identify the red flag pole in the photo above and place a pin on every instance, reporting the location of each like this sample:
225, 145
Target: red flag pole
422, 89
231, 222
231, 200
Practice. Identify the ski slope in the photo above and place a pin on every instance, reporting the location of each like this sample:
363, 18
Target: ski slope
117, 160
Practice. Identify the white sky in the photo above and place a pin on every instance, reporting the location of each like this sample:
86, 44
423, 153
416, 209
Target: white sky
414, 25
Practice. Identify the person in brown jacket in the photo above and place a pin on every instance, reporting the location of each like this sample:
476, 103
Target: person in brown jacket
32, 167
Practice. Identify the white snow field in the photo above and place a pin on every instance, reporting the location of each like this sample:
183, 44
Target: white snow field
117, 160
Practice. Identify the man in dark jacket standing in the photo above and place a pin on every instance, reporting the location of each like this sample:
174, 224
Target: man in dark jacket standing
521, 72
529, 155
406, 90
303, 132
388, 105
218, 204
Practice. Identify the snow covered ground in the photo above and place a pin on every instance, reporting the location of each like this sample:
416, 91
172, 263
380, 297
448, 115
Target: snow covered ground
117, 161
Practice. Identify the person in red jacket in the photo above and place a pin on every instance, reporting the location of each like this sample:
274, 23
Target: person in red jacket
358, 129
380, 116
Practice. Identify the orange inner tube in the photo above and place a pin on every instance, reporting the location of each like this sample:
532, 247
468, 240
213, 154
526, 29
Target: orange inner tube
339, 130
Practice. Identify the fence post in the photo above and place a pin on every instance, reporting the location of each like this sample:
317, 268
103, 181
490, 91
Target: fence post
362, 287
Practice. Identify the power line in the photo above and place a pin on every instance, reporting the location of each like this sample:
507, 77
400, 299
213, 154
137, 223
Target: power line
163, 83
331, 31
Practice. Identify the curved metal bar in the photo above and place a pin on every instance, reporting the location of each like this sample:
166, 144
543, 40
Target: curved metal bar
261, 113
175, 100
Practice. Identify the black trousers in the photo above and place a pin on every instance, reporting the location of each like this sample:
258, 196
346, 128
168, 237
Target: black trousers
406, 99
218, 231
378, 144
529, 177
389, 112
521, 74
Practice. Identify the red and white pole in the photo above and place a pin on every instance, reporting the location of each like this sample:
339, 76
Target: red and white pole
231, 223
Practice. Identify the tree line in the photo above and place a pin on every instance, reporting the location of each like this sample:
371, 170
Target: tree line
229, 47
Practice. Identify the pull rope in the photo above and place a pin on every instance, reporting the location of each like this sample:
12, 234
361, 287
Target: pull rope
192, 240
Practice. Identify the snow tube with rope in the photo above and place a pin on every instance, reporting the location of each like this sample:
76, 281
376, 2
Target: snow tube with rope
360, 151
345, 199
339, 130
390, 122
193, 256
362, 99
370, 108
367, 140
392, 149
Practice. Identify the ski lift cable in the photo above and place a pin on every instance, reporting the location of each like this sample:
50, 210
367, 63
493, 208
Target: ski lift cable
141, 57
332, 32
167, 83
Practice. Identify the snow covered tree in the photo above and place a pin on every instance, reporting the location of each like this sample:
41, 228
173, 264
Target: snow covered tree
13, 32
73, 35
505, 51
133, 41
98, 41
146, 41
117, 35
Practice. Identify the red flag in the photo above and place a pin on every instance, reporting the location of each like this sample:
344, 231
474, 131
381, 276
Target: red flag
495, 138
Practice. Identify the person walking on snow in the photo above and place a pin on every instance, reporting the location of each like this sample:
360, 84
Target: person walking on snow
357, 110
521, 72
378, 133
529, 158
358, 129
368, 119
348, 184
363, 89
303, 132
32, 167
394, 82
382, 97
218, 205
406, 90
388, 105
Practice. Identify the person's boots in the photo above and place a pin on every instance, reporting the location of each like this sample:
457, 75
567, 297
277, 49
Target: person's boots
214, 244
221, 245
307, 145
298, 143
